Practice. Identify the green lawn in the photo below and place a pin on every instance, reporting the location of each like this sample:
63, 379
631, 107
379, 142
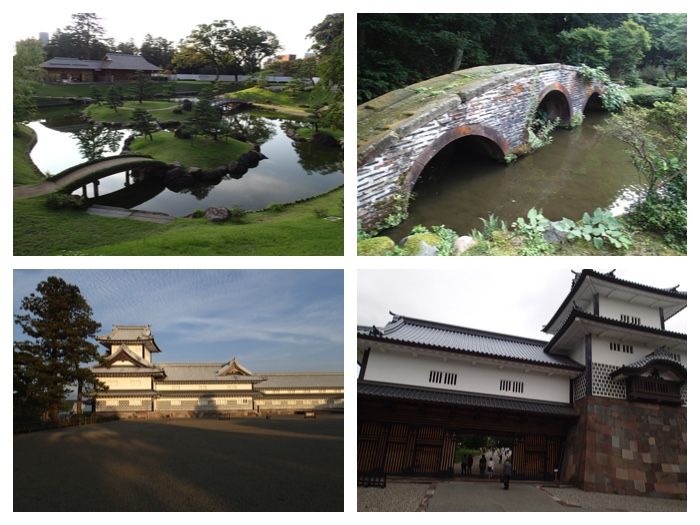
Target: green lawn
167, 148
23, 169
296, 230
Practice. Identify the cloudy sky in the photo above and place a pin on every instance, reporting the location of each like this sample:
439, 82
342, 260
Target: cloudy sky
270, 320
172, 21
515, 299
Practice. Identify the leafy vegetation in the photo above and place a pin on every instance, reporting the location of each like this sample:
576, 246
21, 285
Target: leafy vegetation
599, 228
621, 43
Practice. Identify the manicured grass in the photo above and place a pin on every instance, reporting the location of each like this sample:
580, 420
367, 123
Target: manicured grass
293, 231
202, 152
159, 110
23, 169
280, 98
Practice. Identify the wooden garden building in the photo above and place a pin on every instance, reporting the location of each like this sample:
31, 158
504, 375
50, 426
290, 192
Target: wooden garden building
114, 67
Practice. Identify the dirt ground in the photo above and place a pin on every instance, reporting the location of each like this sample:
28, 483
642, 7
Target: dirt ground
286, 463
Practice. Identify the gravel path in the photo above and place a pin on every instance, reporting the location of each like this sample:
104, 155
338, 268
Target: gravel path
396, 497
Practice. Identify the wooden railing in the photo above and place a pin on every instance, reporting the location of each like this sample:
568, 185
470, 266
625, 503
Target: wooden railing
655, 390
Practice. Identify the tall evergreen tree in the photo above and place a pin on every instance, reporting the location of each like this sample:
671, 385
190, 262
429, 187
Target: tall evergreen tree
59, 323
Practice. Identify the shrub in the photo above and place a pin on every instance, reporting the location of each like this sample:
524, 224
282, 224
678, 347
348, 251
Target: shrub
62, 201
237, 214
275, 206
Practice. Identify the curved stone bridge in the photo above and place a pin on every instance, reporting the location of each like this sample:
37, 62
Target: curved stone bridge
398, 133
82, 175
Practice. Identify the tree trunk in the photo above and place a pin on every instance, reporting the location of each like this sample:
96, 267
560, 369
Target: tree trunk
79, 402
53, 412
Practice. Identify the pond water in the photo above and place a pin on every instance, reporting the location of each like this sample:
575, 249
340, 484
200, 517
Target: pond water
292, 170
580, 171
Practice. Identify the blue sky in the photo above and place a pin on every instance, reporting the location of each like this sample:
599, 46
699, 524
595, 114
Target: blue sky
270, 320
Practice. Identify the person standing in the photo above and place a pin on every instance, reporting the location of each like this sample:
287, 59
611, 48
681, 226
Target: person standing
490, 467
464, 464
482, 466
507, 473
470, 462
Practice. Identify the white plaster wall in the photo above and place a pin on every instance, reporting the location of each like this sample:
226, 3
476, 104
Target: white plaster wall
601, 353
480, 379
127, 383
164, 387
613, 309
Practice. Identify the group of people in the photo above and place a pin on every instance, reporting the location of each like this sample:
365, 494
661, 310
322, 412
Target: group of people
486, 467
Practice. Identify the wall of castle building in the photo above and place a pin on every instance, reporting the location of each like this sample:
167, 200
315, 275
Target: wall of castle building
463, 376
203, 403
620, 447
635, 314
319, 403
130, 404
137, 349
195, 387
127, 383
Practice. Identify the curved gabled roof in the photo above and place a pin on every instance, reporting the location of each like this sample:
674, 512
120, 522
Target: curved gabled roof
669, 300
429, 334
129, 334
659, 358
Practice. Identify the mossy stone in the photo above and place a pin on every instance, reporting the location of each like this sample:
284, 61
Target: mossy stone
375, 246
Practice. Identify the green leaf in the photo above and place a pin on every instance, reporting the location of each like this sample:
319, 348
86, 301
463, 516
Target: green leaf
598, 242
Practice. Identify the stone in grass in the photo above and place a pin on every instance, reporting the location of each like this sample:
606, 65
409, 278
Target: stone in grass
217, 214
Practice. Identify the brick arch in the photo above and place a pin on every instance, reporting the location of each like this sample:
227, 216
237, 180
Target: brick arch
495, 139
560, 102
594, 90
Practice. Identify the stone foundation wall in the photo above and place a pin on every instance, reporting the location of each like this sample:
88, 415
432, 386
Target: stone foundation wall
620, 447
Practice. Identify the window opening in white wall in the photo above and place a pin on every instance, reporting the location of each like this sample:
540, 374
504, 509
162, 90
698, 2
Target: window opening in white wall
445, 378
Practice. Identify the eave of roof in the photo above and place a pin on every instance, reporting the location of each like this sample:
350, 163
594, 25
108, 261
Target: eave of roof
442, 397
418, 333
579, 314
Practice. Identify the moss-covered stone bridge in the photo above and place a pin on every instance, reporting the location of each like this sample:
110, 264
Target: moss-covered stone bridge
398, 133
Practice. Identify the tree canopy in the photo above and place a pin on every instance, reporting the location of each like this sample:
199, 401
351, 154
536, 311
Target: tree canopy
329, 45
442, 43
58, 321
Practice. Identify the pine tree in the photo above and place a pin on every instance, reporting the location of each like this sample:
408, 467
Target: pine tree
59, 323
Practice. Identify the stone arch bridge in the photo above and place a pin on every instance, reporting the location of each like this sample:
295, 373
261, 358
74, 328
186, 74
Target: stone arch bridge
399, 132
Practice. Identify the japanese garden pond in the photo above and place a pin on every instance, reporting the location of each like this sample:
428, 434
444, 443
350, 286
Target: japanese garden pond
581, 170
292, 171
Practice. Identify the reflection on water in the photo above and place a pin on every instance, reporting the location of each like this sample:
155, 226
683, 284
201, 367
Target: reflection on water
291, 172
580, 171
